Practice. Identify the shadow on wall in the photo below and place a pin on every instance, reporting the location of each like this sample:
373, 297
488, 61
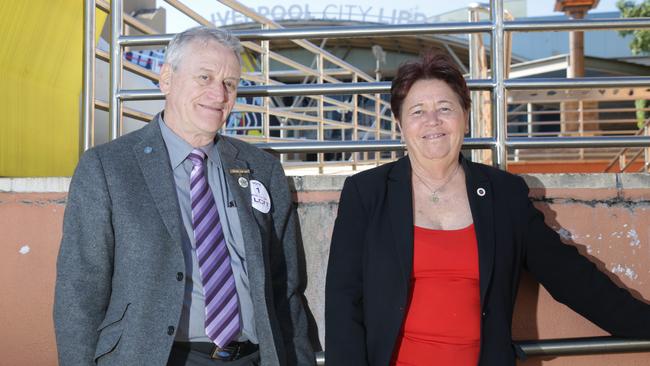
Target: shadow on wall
526, 322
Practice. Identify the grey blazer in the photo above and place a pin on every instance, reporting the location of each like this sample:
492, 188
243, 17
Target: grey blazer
120, 269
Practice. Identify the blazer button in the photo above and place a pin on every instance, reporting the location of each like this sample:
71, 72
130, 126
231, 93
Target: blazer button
170, 330
484, 314
179, 276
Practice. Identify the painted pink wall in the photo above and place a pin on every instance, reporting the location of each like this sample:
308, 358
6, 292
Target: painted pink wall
609, 225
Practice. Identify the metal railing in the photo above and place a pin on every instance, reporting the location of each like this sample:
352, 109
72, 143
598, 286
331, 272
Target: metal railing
497, 84
621, 157
565, 347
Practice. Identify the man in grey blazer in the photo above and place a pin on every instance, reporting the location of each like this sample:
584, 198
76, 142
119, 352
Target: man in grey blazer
133, 275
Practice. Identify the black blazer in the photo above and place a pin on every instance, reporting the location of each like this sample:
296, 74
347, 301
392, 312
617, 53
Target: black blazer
371, 260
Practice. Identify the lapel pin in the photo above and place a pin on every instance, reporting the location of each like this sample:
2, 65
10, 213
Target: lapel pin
480, 192
148, 150
239, 171
243, 182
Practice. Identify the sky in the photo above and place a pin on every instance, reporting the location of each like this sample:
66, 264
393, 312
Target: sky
385, 11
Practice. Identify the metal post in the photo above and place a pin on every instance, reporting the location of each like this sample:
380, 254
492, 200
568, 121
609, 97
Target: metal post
355, 121
377, 125
576, 49
393, 136
529, 119
581, 125
321, 114
500, 153
87, 126
115, 105
475, 72
266, 69
646, 162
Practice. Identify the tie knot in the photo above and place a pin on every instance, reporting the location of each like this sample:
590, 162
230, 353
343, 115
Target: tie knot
196, 157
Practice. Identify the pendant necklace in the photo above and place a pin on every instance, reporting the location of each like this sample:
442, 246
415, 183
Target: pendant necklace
434, 192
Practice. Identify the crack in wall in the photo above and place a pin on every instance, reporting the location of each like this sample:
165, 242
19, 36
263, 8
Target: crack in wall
614, 202
41, 203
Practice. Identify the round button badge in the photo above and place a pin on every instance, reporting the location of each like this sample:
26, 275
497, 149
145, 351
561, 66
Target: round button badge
243, 182
480, 192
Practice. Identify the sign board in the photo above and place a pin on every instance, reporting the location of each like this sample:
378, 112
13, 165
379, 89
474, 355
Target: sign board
378, 11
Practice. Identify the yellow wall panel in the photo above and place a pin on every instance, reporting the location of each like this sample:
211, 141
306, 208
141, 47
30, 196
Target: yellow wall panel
40, 86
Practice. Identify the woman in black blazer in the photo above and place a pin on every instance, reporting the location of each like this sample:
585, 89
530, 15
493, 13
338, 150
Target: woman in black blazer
370, 273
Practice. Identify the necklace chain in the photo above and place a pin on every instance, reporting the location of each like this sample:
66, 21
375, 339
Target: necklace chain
434, 192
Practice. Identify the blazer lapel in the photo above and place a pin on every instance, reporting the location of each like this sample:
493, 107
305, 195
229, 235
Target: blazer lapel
479, 193
251, 220
400, 206
231, 163
253, 232
153, 159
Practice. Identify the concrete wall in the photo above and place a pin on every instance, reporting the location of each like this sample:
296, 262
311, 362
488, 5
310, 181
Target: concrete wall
606, 216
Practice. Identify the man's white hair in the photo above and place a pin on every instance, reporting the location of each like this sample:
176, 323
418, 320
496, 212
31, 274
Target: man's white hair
177, 46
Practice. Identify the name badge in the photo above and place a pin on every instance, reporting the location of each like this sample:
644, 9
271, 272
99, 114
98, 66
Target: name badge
260, 196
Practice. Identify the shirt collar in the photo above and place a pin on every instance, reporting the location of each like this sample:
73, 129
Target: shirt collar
179, 149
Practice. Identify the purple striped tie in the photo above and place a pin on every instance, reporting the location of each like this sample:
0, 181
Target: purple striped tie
222, 321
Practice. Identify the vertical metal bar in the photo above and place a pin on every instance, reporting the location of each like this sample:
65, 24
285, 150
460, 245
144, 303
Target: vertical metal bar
581, 125
474, 72
377, 125
393, 136
266, 69
500, 153
529, 119
321, 115
355, 121
365, 157
115, 105
529, 126
377, 115
284, 122
646, 162
87, 127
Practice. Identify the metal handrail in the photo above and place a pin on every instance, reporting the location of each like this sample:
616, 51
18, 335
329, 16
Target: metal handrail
469, 143
577, 83
582, 346
283, 90
577, 142
576, 24
359, 146
384, 86
565, 347
410, 30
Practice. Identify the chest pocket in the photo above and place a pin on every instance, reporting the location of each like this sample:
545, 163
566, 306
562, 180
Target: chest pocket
110, 330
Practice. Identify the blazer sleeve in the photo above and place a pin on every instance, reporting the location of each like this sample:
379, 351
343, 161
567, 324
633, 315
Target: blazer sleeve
84, 265
288, 275
576, 282
345, 334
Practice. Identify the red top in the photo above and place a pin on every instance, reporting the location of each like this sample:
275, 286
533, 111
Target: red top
442, 325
